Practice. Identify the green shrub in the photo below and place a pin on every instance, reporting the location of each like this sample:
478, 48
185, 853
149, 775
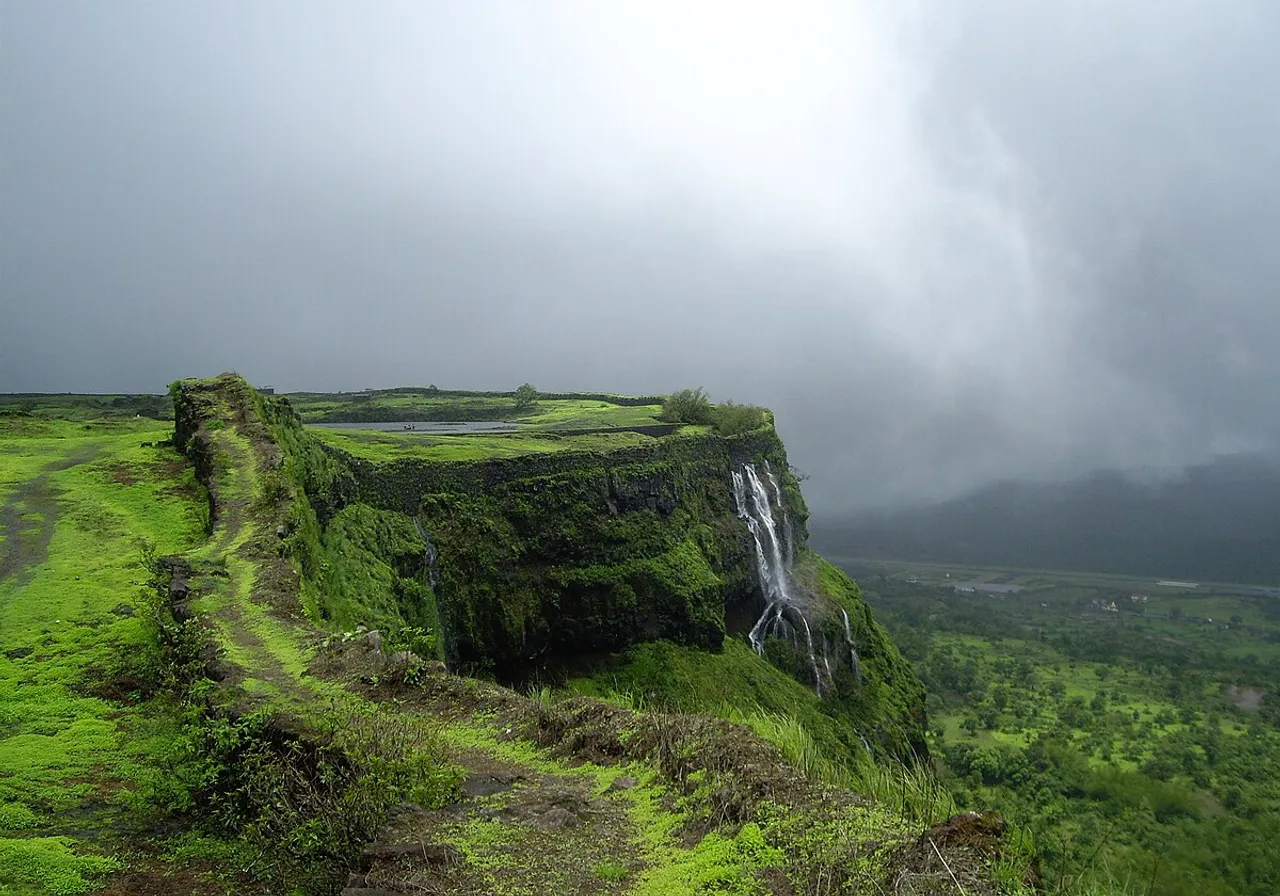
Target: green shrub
690, 406
611, 871
526, 396
693, 407
309, 806
731, 419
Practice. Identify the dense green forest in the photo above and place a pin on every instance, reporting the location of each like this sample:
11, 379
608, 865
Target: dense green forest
1133, 733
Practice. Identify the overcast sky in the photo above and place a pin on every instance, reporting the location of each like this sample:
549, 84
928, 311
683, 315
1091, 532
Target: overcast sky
948, 242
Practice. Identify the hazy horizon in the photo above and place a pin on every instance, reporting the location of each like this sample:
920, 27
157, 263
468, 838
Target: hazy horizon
948, 245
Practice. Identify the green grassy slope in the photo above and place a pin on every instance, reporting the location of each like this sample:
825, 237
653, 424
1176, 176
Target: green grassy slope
735, 684
380, 446
406, 405
82, 504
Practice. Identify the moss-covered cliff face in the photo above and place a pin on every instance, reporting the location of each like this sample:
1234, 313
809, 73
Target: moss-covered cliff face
547, 560
546, 565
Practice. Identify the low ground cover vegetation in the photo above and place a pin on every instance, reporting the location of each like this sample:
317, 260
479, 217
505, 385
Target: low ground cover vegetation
219, 676
379, 446
84, 505
529, 408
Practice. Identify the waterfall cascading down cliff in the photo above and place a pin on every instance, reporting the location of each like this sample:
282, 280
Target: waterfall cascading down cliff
853, 648
786, 612
430, 553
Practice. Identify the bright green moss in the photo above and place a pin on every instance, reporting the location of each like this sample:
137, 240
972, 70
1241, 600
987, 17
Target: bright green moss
75, 622
381, 446
716, 864
375, 571
51, 865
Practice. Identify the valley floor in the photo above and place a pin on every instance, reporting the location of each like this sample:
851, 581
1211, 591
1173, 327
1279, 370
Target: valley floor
1134, 728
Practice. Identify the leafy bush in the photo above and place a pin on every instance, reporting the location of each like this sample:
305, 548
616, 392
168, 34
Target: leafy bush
731, 419
308, 806
525, 397
417, 639
690, 406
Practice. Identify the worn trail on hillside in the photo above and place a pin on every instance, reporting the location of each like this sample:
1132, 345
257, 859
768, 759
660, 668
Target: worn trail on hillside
27, 519
525, 823
243, 624
517, 829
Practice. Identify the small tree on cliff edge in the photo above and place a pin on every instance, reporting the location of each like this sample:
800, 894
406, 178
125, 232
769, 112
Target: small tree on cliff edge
526, 395
688, 406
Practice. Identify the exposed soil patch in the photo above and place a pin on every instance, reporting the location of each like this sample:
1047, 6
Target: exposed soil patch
158, 879
1246, 698
276, 585
123, 473
35, 501
157, 883
514, 826
25, 546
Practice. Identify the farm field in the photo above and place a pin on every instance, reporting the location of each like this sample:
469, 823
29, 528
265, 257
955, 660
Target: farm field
358, 424
72, 406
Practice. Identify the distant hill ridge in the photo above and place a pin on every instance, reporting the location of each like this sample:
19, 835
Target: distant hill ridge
1218, 521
